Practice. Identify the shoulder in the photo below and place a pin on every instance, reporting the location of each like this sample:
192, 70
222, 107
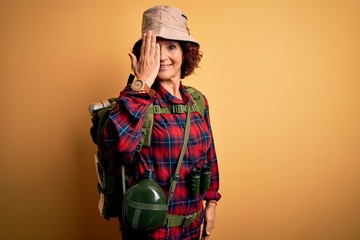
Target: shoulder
198, 98
194, 93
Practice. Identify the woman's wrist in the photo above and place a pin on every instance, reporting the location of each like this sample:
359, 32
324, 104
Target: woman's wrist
212, 202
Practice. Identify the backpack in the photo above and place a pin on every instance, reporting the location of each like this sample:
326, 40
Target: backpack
110, 170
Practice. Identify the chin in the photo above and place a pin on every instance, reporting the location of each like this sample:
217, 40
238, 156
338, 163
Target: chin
164, 76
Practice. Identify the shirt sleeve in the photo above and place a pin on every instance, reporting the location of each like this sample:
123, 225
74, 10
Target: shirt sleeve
213, 192
123, 131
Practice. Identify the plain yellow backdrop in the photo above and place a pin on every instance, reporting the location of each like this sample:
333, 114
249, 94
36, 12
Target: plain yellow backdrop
283, 82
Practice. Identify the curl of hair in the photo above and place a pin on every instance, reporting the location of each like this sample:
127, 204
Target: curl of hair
191, 56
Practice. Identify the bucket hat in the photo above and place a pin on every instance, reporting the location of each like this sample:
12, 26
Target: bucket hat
167, 22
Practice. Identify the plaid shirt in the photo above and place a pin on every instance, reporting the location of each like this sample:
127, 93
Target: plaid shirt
167, 139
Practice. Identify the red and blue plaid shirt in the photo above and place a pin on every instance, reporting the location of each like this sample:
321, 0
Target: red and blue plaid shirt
124, 134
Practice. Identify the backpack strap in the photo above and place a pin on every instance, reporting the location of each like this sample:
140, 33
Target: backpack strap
176, 176
180, 220
199, 100
146, 131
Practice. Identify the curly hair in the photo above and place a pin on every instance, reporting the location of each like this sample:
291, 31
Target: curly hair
191, 56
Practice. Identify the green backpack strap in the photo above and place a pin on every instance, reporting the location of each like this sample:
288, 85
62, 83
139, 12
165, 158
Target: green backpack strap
176, 176
199, 100
146, 131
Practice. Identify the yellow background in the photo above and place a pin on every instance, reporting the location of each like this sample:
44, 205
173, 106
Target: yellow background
282, 79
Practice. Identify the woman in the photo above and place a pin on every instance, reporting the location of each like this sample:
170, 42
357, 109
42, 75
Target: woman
165, 55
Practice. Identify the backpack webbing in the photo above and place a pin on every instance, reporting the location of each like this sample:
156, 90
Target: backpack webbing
198, 106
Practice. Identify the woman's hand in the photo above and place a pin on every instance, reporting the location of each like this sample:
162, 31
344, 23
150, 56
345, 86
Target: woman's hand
209, 221
147, 66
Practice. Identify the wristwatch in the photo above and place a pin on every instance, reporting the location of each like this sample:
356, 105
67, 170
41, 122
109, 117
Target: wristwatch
139, 85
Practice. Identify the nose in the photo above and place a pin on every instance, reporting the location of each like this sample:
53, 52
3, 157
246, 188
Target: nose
163, 53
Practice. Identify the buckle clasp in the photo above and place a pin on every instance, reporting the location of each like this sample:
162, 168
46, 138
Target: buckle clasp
188, 220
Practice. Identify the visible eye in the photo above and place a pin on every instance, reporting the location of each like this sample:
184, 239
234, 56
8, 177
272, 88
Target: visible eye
171, 46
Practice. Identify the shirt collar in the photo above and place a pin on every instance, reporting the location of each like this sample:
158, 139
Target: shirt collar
167, 98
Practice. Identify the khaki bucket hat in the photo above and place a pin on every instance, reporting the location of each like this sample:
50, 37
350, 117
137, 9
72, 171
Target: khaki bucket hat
167, 22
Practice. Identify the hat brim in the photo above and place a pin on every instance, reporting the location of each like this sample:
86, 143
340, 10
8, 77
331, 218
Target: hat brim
171, 34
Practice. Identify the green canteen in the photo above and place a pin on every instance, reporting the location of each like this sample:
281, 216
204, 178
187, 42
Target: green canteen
145, 205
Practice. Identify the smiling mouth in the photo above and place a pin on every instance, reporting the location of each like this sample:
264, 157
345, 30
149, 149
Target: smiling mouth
163, 67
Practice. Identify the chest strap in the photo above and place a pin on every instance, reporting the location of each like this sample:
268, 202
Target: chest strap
172, 109
146, 130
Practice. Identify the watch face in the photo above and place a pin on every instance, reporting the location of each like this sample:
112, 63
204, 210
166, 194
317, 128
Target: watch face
137, 85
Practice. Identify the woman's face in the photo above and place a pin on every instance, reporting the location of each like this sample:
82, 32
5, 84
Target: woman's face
171, 57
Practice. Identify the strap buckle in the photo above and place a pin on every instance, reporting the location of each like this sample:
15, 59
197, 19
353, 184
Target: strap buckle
157, 109
189, 219
178, 109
